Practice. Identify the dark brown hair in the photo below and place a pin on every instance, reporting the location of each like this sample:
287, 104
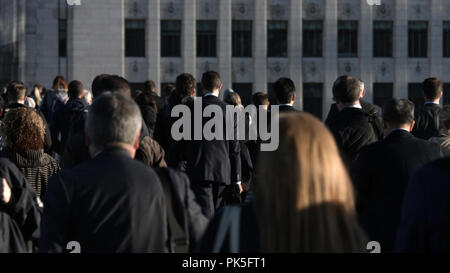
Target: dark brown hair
432, 88
23, 130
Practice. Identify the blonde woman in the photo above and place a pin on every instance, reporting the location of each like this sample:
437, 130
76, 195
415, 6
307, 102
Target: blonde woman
303, 199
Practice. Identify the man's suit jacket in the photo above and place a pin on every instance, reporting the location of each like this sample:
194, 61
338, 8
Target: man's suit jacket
381, 175
287, 109
217, 160
352, 131
111, 203
366, 106
425, 209
427, 121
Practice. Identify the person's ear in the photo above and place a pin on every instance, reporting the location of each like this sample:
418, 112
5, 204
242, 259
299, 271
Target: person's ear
362, 94
137, 141
411, 127
293, 98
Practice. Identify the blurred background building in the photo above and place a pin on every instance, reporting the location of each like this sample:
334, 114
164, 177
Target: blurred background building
252, 43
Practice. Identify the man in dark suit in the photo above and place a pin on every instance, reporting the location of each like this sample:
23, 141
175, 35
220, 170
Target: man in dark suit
352, 127
425, 209
383, 170
111, 203
285, 94
150, 88
214, 166
427, 116
76, 150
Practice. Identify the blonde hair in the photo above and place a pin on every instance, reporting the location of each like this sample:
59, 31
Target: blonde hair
304, 200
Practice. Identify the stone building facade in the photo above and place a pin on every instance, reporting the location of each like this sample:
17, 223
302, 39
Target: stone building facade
94, 34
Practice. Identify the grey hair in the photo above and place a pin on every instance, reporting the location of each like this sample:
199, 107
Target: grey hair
113, 118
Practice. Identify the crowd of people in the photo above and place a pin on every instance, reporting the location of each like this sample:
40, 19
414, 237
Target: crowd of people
101, 168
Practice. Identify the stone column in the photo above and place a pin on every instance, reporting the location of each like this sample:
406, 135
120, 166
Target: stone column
435, 50
366, 48
401, 49
295, 48
224, 42
98, 35
330, 52
260, 45
189, 37
153, 43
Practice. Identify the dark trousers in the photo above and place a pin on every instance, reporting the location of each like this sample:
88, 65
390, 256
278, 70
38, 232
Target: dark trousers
210, 196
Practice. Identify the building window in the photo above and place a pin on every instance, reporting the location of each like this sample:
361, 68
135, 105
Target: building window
382, 92
417, 39
312, 38
415, 94
277, 38
446, 39
170, 38
446, 96
206, 38
383, 33
135, 38
242, 38
245, 92
62, 37
348, 39
313, 98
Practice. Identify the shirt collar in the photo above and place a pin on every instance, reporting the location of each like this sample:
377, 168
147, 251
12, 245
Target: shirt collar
357, 106
211, 94
395, 130
287, 104
432, 102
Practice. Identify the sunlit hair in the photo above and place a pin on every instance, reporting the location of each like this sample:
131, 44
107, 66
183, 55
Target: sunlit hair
23, 130
233, 98
304, 197
59, 83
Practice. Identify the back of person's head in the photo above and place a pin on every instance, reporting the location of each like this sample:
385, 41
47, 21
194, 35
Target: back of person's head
59, 83
146, 99
149, 86
38, 88
168, 90
444, 117
185, 85
233, 98
111, 83
23, 130
347, 89
316, 212
432, 89
16, 92
284, 90
113, 118
96, 85
75, 90
260, 99
211, 81
398, 112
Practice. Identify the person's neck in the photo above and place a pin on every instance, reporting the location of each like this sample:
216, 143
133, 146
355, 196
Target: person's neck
215, 92
342, 106
436, 101
116, 145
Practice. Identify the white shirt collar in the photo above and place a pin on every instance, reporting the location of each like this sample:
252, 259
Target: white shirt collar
287, 104
358, 106
211, 94
432, 102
